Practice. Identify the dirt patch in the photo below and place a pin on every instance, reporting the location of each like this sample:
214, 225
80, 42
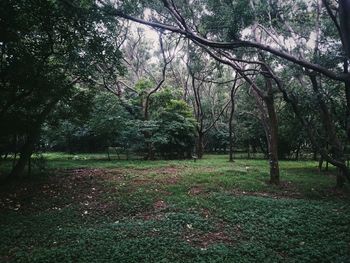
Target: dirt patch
141, 177
288, 186
141, 182
82, 187
168, 180
157, 213
151, 216
202, 239
276, 195
170, 170
160, 205
205, 212
196, 190
169, 175
84, 171
136, 177
155, 181
286, 189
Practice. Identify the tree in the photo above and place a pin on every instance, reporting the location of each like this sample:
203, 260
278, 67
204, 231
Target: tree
208, 96
221, 29
174, 137
47, 47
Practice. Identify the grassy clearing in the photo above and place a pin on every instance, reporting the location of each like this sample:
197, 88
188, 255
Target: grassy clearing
89, 209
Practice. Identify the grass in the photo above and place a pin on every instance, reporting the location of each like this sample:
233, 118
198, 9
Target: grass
88, 209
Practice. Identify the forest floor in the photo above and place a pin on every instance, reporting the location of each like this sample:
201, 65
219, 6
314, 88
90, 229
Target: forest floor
87, 209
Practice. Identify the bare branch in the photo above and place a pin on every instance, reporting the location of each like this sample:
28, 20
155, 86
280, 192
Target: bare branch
235, 44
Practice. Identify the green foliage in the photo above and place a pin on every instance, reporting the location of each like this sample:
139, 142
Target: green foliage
144, 85
108, 119
106, 123
215, 211
223, 20
176, 130
47, 47
218, 140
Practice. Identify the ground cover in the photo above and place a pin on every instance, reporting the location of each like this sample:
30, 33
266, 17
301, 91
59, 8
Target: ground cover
85, 208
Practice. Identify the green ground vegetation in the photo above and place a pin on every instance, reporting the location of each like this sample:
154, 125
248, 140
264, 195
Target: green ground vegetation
84, 208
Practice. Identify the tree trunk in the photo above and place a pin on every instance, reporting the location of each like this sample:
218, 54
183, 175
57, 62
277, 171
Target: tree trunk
273, 140
14, 159
347, 96
344, 25
248, 151
320, 164
29, 171
108, 154
297, 153
230, 127
341, 177
334, 142
32, 138
25, 154
150, 155
199, 145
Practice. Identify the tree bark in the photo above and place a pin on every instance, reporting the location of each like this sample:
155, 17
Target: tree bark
26, 153
268, 117
344, 25
297, 153
248, 151
272, 139
32, 138
199, 145
231, 125
336, 147
347, 96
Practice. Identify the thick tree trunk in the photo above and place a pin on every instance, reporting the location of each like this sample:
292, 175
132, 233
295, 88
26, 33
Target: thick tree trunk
32, 138
336, 147
266, 104
344, 25
273, 140
347, 96
25, 154
341, 178
337, 159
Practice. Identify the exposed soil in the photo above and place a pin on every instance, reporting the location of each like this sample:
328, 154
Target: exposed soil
169, 170
159, 205
197, 190
221, 234
78, 186
87, 187
157, 213
285, 194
